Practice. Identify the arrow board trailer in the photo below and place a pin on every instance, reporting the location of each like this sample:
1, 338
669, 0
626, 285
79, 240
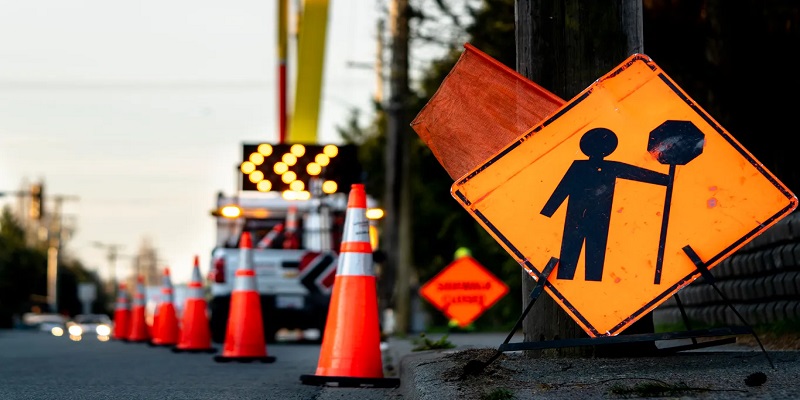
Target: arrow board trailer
294, 254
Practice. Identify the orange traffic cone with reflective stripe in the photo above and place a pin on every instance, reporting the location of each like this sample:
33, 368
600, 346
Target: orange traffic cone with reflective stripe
350, 354
138, 331
165, 327
195, 330
122, 314
244, 338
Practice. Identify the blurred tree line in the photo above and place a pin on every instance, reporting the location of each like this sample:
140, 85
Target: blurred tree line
737, 60
23, 276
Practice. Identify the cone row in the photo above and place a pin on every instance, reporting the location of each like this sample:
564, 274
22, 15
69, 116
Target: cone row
350, 354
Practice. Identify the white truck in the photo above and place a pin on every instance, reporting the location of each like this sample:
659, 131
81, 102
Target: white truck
294, 276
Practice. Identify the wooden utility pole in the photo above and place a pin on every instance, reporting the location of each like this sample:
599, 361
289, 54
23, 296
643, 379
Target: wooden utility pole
564, 46
397, 224
53, 250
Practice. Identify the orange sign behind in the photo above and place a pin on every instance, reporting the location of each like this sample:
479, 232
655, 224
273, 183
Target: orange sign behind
464, 290
622, 184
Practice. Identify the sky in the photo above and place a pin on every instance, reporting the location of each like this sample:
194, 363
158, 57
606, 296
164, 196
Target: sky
135, 112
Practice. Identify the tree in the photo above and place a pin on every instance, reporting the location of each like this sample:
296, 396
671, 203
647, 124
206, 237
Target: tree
23, 271
733, 58
23, 276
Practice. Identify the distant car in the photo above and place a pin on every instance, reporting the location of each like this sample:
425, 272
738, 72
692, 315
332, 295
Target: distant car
47, 322
90, 324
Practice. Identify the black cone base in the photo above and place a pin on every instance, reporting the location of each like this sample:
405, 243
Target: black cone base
349, 381
208, 350
264, 359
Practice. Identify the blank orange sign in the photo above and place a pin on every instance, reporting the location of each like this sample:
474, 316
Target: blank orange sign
619, 184
464, 290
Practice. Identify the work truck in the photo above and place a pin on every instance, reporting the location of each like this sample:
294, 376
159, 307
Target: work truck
295, 230
295, 266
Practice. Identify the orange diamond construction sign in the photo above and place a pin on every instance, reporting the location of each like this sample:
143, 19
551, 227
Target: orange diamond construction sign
632, 187
464, 290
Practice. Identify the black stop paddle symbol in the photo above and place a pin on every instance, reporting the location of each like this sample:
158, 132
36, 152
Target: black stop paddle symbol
673, 143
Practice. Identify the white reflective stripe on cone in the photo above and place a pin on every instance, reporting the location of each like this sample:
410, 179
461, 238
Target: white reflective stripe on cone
123, 303
194, 292
245, 280
138, 300
356, 228
196, 275
245, 259
195, 286
355, 264
166, 290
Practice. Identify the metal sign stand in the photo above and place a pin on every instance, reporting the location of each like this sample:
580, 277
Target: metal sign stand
474, 367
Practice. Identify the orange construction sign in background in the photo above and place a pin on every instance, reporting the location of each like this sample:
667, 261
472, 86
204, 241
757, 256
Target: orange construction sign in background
464, 290
619, 184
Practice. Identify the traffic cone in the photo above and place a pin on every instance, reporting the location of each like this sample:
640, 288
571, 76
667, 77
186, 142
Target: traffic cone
244, 338
138, 331
122, 314
350, 354
270, 237
195, 329
291, 239
165, 327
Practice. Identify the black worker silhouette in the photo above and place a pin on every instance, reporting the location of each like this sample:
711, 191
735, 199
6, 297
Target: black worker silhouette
589, 184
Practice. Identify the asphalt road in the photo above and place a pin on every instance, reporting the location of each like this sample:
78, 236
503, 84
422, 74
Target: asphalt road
38, 365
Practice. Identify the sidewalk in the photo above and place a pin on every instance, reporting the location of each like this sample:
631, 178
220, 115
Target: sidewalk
723, 372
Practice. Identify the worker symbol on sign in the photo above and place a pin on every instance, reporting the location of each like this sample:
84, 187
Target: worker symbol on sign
589, 185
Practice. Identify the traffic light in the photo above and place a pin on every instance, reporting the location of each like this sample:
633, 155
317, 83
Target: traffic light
37, 201
299, 170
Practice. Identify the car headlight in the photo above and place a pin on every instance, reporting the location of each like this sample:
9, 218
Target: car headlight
103, 330
75, 330
57, 331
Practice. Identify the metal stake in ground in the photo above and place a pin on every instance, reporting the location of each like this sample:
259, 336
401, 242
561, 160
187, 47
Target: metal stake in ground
673, 143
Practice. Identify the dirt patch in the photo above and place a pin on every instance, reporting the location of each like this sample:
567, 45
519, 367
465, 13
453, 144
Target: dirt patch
471, 365
772, 341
